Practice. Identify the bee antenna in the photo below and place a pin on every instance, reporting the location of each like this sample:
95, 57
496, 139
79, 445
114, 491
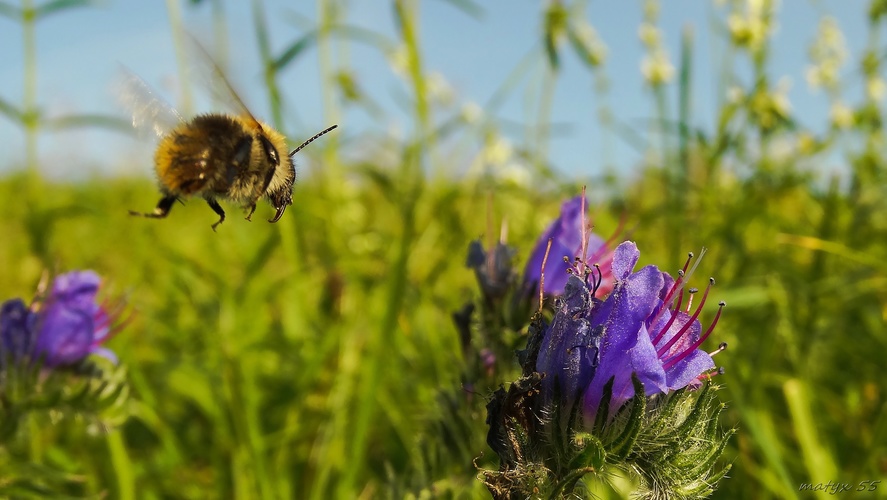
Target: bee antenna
309, 141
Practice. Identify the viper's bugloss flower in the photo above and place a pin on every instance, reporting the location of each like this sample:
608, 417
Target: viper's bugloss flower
638, 329
609, 384
565, 234
15, 339
492, 269
61, 328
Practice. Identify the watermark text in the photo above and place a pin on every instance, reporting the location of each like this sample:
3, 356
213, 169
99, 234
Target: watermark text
835, 487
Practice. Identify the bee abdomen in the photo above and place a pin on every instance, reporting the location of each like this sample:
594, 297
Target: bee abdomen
205, 154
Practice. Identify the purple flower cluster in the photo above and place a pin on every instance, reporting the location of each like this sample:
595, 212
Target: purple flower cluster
639, 328
62, 328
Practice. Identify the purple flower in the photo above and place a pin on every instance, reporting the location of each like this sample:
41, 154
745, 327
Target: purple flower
565, 234
15, 339
61, 329
636, 329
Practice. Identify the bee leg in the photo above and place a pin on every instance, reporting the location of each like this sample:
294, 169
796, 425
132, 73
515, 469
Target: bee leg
278, 215
213, 204
161, 210
252, 209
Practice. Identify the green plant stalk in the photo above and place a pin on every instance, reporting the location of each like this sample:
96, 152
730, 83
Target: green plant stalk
29, 92
543, 118
332, 114
680, 185
411, 169
220, 30
407, 13
269, 71
817, 458
122, 465
669, 174
185, 104
243, 413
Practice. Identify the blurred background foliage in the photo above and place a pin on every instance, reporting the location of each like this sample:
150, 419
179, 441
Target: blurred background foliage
318, 358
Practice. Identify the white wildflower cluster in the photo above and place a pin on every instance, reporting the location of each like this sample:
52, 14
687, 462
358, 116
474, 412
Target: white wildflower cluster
440, 90
750, 27
841, 115
771, 106
498, 158
827, 53
656, 65
399, 60
588, 37
875, 88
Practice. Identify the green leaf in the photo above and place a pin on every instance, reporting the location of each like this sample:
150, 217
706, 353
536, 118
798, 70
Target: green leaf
554, 28
294, 50
58, 6
90, 120
468, 7
10, 11
8, 109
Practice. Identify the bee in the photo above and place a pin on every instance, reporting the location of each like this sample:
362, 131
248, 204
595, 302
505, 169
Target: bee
214, 156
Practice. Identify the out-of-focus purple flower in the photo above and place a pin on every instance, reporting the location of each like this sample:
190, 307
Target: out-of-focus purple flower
60, 329
639, 328
15, 338
492, 269
565, 234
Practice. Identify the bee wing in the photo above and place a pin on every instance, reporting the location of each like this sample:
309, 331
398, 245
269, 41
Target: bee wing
216, 81
151, 114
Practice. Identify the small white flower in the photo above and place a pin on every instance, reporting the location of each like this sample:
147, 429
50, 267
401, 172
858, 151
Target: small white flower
780, 96
735, 94
597, 49
399, 59
650, 35
498, 151
657, 69
515, 173
875, 88
471, 112
439, 89
841, 115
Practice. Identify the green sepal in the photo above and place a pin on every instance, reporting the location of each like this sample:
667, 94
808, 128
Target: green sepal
603, 411
622, 446
591, 452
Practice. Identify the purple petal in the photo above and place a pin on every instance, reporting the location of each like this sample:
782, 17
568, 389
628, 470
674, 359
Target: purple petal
624, 259
626, 347
689, 369
77, 288
107, 354
565, 234
65, 335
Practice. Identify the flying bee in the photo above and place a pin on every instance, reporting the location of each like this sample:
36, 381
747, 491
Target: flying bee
214, 156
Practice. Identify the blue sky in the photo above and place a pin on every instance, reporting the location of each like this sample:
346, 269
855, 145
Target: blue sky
80, 53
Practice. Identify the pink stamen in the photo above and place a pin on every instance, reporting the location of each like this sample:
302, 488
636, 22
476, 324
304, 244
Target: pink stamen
689, 323
677, 358
680, 281
721, 348
711, 374
542, 274
691, 291
584, 229
674, 315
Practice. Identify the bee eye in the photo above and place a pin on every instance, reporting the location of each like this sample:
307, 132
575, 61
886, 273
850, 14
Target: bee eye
270, 152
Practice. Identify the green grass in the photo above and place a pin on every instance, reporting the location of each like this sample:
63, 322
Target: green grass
317, 357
